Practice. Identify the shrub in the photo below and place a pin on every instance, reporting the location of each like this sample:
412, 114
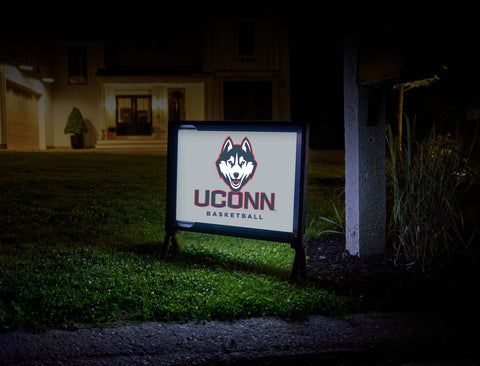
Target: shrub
75, 123
425, 180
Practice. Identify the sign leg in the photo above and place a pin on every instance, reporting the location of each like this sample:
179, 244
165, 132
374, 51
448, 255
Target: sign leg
299, 263
169, 237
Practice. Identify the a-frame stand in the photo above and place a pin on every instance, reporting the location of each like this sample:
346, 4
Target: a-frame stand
299, 268
296, 238
170, 237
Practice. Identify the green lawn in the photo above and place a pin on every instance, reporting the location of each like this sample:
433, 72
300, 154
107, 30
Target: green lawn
79, 242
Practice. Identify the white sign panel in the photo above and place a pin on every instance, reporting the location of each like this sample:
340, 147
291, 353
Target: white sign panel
234, 178
244, 179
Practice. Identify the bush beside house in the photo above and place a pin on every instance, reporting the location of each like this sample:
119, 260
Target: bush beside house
76, 126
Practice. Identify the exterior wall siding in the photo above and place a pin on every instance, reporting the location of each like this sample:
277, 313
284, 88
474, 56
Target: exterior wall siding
270, 62
87, 98
204, 88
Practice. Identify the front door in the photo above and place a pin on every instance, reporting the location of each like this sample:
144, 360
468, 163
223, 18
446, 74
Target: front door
134, 115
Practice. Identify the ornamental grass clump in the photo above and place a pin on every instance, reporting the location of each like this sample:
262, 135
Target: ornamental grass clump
426, 180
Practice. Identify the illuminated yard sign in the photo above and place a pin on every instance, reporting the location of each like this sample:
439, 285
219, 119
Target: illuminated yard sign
239, 179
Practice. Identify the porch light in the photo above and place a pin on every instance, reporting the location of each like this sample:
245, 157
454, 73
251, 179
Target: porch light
110, 103
25, 67
48, 79
157, 103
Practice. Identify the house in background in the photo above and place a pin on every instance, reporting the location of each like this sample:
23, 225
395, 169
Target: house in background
222, 68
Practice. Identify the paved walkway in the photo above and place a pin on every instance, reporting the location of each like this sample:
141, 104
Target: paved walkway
364, 339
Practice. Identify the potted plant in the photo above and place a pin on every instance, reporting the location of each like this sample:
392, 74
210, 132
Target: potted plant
77, 127
112, 132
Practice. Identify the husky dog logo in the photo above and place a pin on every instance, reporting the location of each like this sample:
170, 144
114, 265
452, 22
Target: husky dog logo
236, 164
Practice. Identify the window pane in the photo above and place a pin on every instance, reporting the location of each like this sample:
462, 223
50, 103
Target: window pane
246, 39
144, 110
247, 100
176, 104
77, 65
124, 110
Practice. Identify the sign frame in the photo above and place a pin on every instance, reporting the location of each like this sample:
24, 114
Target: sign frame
296, 236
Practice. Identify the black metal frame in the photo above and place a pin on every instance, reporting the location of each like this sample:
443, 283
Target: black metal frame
296, 238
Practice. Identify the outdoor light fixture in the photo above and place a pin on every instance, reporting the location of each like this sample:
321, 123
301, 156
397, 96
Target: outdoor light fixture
110, 103
48, 79
25, 67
